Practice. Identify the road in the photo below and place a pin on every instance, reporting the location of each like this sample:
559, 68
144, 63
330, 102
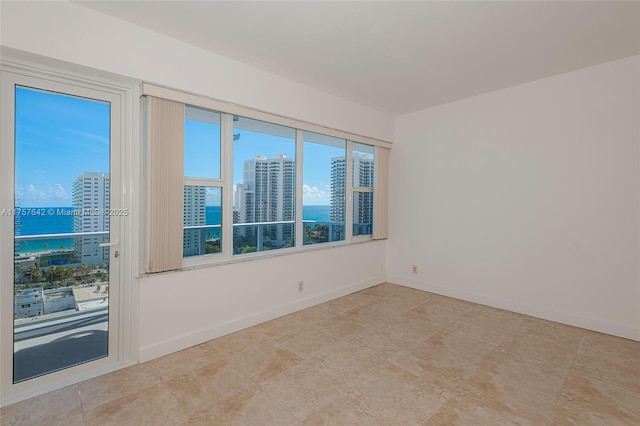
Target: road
47, 346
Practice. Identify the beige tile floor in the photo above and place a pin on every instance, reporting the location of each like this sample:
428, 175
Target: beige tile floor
388, 355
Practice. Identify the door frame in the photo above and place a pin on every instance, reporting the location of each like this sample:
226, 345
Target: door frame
121, 338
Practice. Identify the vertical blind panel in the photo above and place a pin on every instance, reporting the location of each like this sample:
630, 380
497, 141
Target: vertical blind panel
381, 194
165, 167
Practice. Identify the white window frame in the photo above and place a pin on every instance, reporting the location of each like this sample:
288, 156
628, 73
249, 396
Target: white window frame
123, 340
226, 133
227, 111
351, 190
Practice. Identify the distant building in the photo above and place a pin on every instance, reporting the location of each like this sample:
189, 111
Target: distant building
267, 194
90, 201
36, 301
195, 214
28, 303
338, 188
363, 176
17, 226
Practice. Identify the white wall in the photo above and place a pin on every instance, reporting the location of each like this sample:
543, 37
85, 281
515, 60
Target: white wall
526, 199
177, 310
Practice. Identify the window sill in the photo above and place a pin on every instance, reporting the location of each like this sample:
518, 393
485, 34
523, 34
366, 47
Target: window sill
220, 259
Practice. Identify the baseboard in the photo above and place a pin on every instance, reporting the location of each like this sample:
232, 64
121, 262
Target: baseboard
602, 326
202, 335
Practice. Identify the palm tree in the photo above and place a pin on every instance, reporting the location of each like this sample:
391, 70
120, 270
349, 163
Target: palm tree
52, 272
73, 271
63, 273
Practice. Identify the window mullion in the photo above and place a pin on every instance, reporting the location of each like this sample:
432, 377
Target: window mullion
226, 126
348, 223
298, 190
202, 182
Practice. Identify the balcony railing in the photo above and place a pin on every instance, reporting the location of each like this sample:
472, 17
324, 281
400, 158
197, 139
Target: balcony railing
262, 236
59, 236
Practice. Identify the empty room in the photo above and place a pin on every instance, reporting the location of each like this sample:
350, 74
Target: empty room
319, 213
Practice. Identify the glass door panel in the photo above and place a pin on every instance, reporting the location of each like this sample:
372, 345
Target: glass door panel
62, 222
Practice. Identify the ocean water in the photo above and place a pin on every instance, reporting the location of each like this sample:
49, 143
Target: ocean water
47, 220
59, 220
317, 213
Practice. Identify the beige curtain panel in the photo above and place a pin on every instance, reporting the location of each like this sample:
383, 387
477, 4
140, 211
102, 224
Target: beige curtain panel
381, 194
165, 177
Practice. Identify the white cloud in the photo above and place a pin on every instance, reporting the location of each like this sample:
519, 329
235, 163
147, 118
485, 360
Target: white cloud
311, 195
53, 196
57, 191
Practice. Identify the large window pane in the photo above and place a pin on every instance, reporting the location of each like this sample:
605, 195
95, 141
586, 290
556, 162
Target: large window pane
362, 213
363, 165
201, 143
62, 218
323, 191
264, 176
202, 220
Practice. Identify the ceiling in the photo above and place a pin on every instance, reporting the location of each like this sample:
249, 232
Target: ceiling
399, 57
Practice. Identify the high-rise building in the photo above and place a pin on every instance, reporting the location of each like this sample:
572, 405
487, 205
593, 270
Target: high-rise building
195, 214
90, 201
17, 226
363, 165
267, 194
338, 188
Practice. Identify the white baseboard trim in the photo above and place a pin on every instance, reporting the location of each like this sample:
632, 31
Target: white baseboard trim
602, 326
205, 334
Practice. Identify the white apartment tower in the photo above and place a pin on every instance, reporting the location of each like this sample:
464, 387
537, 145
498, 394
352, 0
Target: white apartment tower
267, 194
90, 201
363, 166
195, 214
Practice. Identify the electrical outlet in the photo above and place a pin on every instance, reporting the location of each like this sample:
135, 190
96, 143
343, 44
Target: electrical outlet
300, 286
382, 267
414, 269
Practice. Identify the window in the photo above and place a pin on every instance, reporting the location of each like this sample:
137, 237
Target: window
202, 217
264, 176
253, 183
362, 183
323, 189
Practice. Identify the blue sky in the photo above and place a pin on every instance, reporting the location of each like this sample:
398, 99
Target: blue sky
59, 137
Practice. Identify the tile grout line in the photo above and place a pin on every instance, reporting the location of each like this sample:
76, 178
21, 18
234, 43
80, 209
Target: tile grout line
84, 415
166, 384
566, 380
